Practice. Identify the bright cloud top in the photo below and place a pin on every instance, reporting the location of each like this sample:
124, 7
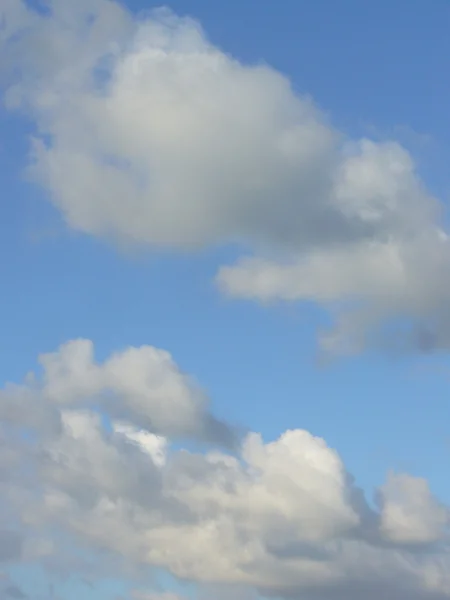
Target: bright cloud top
282, 517
147, 133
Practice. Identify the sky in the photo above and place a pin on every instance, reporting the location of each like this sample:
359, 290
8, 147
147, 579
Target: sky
224, 317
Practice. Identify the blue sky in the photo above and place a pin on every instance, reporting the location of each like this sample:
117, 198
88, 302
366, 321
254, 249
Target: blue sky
378, 70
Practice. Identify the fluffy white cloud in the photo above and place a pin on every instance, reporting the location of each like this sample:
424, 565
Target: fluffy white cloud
282, 517
141, 386
156, 136
363, 284
154, 445
149, 134
399, 273
410, 514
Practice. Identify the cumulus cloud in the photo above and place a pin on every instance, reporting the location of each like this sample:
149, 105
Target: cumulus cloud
149, 134
282, 517
141, 386
173, 143
410, 514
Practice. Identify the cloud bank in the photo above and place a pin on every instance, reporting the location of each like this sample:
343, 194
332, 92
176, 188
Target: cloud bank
147, 133
282, 517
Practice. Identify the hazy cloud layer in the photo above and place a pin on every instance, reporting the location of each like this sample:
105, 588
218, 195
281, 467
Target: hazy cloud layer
149, 134
281, 517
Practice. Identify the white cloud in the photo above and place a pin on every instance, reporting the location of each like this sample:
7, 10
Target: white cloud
182, 145
410, 514
399, 273
280, 517
154, 445
149, 134
363, 284
141, 386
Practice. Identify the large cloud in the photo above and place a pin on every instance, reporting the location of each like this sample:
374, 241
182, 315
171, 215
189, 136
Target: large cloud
149, 134
283, 517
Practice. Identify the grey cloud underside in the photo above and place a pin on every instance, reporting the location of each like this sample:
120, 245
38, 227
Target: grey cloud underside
10, 545
148, 134
12, 591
